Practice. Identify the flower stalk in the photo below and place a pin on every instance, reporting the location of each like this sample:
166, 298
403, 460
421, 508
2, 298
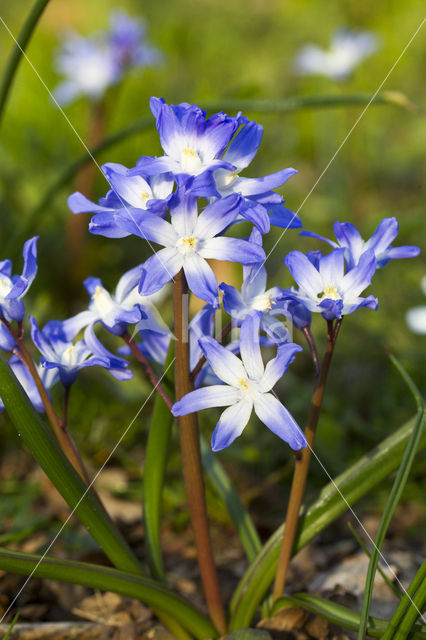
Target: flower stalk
191, 459
302, 462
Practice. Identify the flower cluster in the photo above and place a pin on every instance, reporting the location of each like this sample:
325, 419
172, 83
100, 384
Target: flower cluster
189, 201
92, 65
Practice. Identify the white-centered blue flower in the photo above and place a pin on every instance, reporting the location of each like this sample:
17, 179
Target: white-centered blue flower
190, 240
349, 238
90, 65
130, 193
247, 387
13, 288
59, 352
347, 49
324, 286
416, 317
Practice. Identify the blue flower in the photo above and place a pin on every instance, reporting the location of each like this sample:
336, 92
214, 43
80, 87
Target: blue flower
349, 238
59, 352
324, 286
255, 296
192, 143
129, 193
48, 378
92, 65
116, 311
247, 386
348, 48
127, 41
189, 240
13, 288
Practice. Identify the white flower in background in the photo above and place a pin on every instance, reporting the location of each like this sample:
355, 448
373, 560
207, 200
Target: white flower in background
416, 317
347, 49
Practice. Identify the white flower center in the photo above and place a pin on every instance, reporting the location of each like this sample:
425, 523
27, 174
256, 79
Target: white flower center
247, 387
145, 197
330, 292
102, 301
69, 356
187, 246
262, 302
190, 160
5, 287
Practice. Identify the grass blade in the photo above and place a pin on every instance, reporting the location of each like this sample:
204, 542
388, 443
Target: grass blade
45, 449
339, 615
12, 624
227, 493
18, 49
394, 497
406, 601
154, 472
141, 588
354, 483
414, 611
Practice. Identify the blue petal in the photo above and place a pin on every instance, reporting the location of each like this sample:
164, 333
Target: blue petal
284, 218
217, 216
276, 417
254, 186
202, 324
108, 225
359, 278
244, 146
225, 364
276, 368
231, 424
159, 269
249, 345
232, 250
304, 272
201, 279
29, 272
78, 203
205, 398
232, 302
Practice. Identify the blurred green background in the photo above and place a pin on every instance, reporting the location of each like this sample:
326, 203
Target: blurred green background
240, 49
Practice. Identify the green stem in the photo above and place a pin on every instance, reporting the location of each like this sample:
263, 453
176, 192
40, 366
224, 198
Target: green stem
302, 465
410, 595
18, 50
191, 458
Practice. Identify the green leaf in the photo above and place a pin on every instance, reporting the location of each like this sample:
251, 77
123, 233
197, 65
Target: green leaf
287, 105
12, 624
414, 593
354, 483
18, 51
46, 450
394, 497
337, 614
141, 588
227, 493
154, 472
414, 610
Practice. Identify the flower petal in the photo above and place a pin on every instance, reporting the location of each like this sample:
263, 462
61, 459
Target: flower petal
244, 146
231, 424
201, 279
159, 269
232, 250
276, 417
254, 186
249, 345
225, 364
276, 368
218, 395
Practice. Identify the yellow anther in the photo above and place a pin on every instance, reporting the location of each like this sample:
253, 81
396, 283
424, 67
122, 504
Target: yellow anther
243, 383
189, 152
330, 292
145, 196
190, 242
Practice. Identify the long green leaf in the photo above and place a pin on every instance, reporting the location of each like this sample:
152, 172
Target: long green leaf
154, 472
337, 614
141, 588
45, 449
393, 499
354, 483
414, 610
228, 495
287, 105
18, 50
405, 603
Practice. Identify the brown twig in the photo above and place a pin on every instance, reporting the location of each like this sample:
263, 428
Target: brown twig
302, 464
